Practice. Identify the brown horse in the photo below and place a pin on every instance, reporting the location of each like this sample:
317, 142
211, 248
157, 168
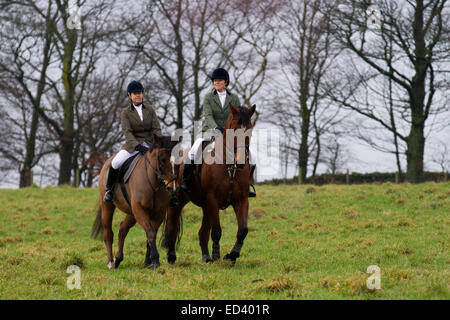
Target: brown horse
219, 186
148, 193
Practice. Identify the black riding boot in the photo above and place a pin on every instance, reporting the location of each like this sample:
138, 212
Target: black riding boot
186, 182
112, 176
252, 194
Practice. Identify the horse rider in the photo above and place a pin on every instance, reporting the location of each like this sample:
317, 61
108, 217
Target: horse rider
139, 123
216, 108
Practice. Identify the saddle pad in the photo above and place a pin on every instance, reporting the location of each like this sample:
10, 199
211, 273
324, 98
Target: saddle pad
129, 167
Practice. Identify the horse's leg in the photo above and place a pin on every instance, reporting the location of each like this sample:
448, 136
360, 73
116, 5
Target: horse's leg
172, 231
148, 260
216, 234
143, 218
125, 226
241, 210
108, 235
152, 255
203, 235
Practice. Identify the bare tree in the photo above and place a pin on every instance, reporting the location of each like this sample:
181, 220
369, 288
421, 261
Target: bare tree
78, 52
328, 122
27, 48
408, 43
441, 156
186, 40
246, 36
201, 20
335, 154
307, 56
54, 65
101, 133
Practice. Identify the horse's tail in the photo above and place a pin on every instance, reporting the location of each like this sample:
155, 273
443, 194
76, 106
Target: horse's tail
164, 241
97, 227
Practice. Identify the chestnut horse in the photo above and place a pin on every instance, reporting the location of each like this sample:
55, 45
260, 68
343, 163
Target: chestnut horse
148, 193
219, 186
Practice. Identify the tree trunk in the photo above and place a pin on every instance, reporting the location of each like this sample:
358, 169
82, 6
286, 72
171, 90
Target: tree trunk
303, 151
25, 173
414, 154
25, 177
317, 157
196, 70
416, 138
67, 143
65, 155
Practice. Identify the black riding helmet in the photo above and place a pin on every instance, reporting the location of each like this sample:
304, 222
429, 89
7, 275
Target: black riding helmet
221, 73
135, 86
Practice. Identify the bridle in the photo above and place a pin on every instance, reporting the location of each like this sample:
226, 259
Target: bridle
245, 145
159, 176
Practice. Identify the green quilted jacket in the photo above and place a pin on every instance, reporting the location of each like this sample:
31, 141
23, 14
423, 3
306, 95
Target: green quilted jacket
213, 113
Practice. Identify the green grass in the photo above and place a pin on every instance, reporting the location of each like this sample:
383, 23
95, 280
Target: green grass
304, 242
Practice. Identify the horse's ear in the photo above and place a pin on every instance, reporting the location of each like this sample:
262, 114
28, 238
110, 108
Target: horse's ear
234, 110
252, 110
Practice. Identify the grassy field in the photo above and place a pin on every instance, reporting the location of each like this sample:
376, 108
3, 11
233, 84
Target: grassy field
304, 242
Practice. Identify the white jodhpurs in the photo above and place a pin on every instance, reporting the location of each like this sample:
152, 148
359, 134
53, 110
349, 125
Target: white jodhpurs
198, 143
123, 155
194, 148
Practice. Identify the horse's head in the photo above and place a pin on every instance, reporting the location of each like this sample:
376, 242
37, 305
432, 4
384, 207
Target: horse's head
239, 121
164, 145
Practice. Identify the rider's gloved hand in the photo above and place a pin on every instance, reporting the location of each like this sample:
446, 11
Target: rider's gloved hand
141, 149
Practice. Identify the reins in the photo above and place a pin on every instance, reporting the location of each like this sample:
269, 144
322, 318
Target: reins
162, 184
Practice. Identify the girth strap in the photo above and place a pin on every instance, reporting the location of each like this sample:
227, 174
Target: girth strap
124, 192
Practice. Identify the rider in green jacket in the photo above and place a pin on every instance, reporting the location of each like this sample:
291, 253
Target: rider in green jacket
216, 108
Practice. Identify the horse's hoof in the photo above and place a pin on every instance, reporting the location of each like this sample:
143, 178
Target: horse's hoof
111, 265
117, 262
215, 257
171, 258
206, 258
153, 266
232, 256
